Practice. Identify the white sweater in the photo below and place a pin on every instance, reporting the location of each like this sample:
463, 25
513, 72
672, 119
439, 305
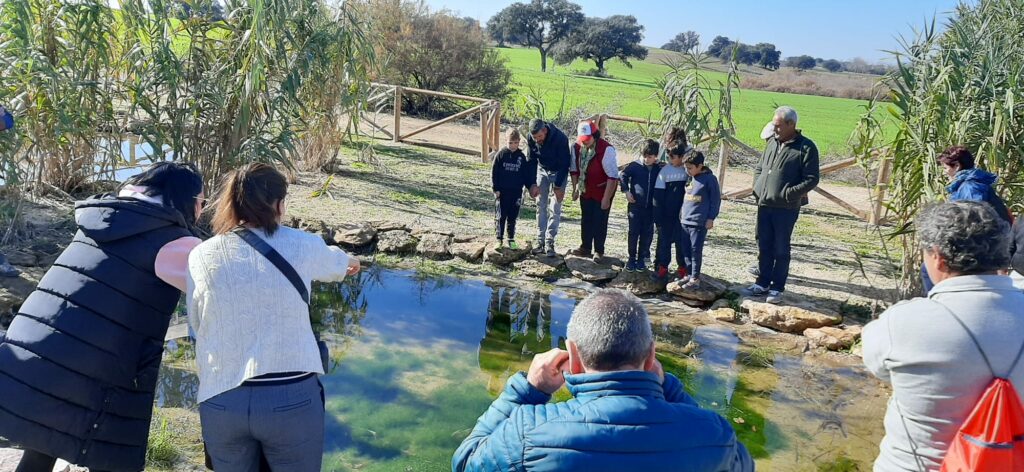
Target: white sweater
247, 317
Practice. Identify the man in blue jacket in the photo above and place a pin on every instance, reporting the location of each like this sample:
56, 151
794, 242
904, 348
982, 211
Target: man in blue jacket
548, 154
626, 414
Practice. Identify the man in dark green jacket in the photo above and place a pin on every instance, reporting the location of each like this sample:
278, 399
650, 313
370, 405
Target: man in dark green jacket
788, 170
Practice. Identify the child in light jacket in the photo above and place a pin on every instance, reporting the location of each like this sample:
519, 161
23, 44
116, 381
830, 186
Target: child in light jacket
701, 205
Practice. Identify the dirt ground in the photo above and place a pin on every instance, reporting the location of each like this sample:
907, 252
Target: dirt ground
836, 257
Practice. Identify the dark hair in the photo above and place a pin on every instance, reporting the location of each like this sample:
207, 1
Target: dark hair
651, 148
957, 155
695, 157
177, 183
536, 124
968, 235
250, 194
676, 137
678, 149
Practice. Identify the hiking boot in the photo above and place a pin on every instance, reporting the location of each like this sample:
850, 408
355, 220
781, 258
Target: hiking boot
513, 245
579, 252
774, 297
630, 266
754, 290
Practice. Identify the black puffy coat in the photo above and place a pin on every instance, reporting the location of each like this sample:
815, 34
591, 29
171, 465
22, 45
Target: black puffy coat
79, 364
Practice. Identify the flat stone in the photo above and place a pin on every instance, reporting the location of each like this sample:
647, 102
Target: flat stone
315, 227
789, 318
353, 234
588, 270
723, 314
384, 226
434, 246
637, 283
710, 289
14, 290
538, 268
421, 230
469, 251
503, 256
396, 242
831, 338
22, 258
466, 238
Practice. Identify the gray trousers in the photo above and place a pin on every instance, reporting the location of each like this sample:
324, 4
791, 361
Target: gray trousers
549, 209
285, 423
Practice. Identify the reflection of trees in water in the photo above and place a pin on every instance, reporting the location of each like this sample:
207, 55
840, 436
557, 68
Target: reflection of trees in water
518, 326
338, 309
176, 388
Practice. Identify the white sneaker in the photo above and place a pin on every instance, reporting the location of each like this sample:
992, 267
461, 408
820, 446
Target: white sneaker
755, 290
774, 297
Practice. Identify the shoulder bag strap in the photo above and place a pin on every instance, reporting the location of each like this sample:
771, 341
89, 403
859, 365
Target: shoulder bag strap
275, 258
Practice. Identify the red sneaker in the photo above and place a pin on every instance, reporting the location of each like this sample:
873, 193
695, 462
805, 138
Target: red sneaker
681, 272
661, 273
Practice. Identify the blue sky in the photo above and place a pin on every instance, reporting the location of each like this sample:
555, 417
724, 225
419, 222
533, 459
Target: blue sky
840, 29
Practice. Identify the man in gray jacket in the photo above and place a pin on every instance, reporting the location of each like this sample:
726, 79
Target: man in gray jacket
941, 352
788, 170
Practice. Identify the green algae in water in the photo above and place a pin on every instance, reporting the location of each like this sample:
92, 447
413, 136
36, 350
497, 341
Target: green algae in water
419, 357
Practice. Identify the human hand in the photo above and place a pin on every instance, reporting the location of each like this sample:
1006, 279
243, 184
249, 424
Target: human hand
709, 224
575, 194
658, 370
630, 197
546, 370
534, 192
353, 266
606, 203
559, 193
497, 194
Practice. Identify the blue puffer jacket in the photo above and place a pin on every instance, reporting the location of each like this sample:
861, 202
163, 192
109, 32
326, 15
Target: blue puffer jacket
617, 421
977, 185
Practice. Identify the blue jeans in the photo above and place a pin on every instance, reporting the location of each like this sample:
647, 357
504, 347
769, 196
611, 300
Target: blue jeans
774, 233
283, 422
548, 218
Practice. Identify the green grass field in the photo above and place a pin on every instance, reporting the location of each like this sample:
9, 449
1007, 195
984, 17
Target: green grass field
828, 121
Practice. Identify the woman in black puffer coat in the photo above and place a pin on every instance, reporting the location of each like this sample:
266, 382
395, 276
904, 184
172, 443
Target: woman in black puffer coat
79, 363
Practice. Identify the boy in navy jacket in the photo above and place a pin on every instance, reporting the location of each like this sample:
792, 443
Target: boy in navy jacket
510, 174
701, 205
669, 190
638, 179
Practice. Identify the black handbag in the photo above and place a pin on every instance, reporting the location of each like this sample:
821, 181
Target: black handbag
282, 265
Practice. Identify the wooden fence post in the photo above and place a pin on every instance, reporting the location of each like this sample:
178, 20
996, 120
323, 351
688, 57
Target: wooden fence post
398, 115
723, 162
882, 185
485, 131
497, 126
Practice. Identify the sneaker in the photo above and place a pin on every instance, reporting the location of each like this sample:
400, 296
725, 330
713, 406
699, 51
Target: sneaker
692, 284
754, 290
598, 258
539, 247
661, 274
513, 245
630, 266
682, 274
579, 252
640, 266
774, 297
754, 270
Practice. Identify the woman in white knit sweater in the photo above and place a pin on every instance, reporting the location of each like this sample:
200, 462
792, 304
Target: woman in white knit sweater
255, 349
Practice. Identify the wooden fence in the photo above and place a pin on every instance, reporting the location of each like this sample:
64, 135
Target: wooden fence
489, 111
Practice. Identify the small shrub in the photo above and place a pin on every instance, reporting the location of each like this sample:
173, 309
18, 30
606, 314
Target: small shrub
161, 450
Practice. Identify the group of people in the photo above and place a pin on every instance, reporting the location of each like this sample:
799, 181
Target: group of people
79, 362
667, 187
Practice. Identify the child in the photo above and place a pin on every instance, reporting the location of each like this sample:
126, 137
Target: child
508, 178
700, 208
669, 190
637, 183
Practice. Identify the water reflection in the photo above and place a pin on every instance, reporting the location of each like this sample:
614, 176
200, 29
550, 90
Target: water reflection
417, 359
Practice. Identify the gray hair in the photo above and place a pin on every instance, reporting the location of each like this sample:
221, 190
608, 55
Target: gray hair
968, 235
787, 113
611, 330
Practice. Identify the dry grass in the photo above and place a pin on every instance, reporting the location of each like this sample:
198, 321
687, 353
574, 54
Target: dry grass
826, 84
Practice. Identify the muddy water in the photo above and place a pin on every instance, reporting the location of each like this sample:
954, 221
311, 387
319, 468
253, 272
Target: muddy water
417, 359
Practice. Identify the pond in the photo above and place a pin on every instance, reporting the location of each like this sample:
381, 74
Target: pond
418, 358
